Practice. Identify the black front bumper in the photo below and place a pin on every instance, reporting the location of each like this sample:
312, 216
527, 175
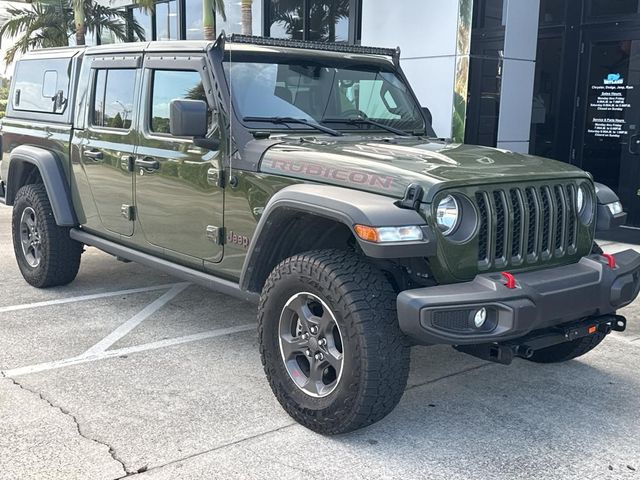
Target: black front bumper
542, 299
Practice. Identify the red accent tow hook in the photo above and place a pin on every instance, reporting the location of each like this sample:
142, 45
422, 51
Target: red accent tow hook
610, 260
510, 280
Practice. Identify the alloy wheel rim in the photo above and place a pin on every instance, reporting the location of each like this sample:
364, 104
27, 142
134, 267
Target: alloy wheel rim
311, 344
30, 239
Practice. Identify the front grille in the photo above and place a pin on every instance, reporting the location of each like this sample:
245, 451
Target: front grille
526, 224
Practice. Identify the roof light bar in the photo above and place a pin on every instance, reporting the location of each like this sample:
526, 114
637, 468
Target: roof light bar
310, 45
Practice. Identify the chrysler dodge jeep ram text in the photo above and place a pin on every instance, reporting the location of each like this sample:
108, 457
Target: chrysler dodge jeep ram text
307, 178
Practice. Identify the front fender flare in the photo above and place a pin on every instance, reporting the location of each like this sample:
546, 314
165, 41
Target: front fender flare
52, 176
349, 207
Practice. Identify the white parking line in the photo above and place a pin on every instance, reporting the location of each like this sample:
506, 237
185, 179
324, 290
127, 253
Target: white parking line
83, 298
136, 320
67, 362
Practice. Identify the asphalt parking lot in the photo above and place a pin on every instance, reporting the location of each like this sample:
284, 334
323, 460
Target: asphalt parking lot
130, 372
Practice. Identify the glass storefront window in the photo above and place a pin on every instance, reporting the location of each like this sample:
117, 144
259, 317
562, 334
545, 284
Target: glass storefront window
317, 20
167, 21
144, 20
552, 12
286, 19
489, 13
193, 19
329, 21
601, 8
233, 24
545, 97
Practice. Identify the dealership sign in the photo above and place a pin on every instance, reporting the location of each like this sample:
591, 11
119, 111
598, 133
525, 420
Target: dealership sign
607, 107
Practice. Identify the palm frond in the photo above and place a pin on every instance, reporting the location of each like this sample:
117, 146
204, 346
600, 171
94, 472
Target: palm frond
219, 8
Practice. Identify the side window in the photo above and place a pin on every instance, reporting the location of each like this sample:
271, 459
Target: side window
169, 85
42, 85
113, 98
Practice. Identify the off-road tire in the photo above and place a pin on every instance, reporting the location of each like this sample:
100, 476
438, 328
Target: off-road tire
376, 354
568, 350
60, 259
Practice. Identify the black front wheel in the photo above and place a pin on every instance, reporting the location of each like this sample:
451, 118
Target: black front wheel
45, 253
330, 343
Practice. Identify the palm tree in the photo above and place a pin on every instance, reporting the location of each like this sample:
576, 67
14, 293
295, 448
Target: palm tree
51, 23
246, 16
209, 10
79, 10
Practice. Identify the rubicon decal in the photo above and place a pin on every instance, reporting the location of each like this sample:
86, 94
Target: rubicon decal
347, 175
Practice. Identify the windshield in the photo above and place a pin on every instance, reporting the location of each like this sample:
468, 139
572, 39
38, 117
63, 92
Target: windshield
323, 92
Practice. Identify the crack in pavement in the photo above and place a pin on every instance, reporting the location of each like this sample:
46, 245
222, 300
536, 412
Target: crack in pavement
204, 452
66, 412
470, 369
293, 424
128, 473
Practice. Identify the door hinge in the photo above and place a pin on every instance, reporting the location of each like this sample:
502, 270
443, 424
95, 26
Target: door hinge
215, 177
577, 102
573, 154
215, 234
582, 48
128, 212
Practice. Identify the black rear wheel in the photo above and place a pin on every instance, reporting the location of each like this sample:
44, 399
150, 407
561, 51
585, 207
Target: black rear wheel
330, 342
46, 254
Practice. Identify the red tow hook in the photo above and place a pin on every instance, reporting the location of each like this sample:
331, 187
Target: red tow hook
510, 280
611, 261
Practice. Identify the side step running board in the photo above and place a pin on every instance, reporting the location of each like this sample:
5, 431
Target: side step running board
185, 273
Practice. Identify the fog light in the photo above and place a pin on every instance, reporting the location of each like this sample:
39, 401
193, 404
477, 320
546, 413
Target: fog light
480, 317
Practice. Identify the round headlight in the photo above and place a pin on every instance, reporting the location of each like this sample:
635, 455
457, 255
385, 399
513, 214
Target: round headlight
584, 204
447, 214
580, 199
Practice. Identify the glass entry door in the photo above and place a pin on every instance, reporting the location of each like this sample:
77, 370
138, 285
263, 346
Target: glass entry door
607, 133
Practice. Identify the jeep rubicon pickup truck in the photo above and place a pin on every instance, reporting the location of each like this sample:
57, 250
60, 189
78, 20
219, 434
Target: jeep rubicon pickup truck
307, 178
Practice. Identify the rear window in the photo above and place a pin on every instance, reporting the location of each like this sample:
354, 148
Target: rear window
42, 85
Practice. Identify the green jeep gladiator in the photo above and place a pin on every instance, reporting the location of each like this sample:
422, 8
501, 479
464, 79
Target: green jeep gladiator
305, 177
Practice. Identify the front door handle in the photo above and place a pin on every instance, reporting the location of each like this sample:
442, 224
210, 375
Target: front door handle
148, 163
94, 154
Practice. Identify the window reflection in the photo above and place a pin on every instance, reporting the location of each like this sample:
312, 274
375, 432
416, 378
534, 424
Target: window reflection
113, 98
552, 12
600, 8
545, 96
166, 21
144, 20
193, 20
329, 21
169, 85
286, 17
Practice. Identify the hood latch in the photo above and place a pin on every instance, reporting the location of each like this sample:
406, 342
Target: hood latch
412, 197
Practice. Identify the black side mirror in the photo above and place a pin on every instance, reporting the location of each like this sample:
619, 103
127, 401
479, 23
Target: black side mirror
188, 118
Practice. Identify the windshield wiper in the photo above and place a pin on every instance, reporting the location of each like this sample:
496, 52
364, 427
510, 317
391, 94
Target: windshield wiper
366, 121
302, 121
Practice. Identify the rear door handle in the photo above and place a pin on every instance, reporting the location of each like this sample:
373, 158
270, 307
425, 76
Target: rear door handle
94, 154
147, 163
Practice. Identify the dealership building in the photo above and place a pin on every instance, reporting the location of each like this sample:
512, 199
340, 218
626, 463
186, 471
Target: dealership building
556, 78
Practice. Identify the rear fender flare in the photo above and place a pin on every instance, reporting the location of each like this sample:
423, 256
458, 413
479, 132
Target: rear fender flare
48, 165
